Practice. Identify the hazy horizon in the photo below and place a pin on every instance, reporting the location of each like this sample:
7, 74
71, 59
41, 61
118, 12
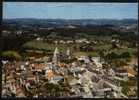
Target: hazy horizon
68, 19
40, 10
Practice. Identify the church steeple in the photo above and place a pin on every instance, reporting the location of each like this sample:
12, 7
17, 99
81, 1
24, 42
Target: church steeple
68, 53
55, 56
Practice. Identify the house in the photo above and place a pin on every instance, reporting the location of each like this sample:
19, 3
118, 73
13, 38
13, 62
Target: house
4, 62
131, 72
49, 74
69, 41
22, 67
56, 42
57, 79
111, 72
121, 73
39, 39
81, 41
74, 81
84, 58
132, 91
39, 67
96, 59
6, 92
62, 42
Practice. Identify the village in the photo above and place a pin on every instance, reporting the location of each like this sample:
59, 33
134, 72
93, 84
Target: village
65, 75
69, 50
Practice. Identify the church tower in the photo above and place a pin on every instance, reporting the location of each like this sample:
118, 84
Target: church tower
68, 53
55, 56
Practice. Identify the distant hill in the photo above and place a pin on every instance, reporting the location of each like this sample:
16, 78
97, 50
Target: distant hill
70, 28
62, 22
100, 29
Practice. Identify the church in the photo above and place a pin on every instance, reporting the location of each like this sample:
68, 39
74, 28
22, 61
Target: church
61, 56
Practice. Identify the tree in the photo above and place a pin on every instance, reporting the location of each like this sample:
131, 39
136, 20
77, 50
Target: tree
11, 55
125, 55
112, 56
101, 53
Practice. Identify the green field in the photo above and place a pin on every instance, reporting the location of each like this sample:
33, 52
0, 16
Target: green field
47, 47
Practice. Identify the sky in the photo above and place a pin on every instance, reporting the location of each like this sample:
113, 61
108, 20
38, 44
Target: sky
53, 10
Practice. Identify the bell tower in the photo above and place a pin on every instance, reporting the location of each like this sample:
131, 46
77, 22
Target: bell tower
55, 56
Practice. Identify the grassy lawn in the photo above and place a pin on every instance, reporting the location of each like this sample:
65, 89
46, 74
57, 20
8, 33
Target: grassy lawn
94, 54
106, 46
43, 45
130, 50
79, 53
